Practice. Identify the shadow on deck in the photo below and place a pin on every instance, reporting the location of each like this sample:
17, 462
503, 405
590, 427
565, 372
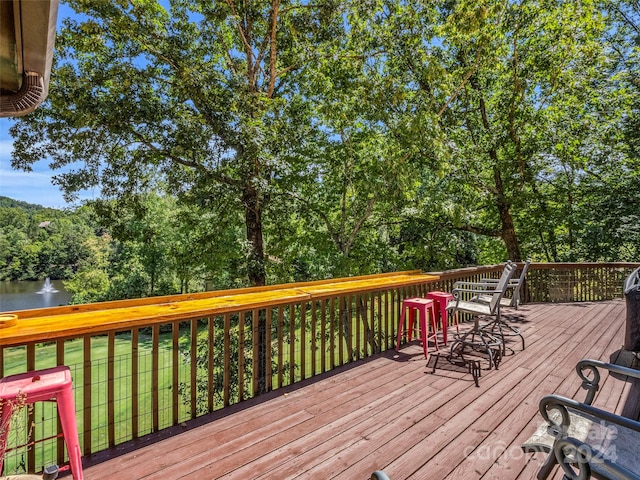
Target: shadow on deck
390, 412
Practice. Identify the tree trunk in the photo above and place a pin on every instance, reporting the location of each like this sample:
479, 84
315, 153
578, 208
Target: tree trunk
253, 222
504, 206
506, 220
346, 328
550, 247
256, 272
509, 233
369, 333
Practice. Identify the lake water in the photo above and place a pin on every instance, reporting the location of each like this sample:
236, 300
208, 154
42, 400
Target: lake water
23, 295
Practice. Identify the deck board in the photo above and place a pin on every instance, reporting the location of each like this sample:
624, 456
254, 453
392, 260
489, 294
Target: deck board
390, 412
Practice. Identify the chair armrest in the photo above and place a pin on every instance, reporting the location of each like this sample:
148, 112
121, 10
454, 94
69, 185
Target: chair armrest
457, 291
577, 460
597, 451
590, 375
465, 284
473, 287
512, 283
559, 403
379, 475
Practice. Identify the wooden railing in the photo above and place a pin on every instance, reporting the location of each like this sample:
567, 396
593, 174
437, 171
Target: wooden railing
140, 366
576, 282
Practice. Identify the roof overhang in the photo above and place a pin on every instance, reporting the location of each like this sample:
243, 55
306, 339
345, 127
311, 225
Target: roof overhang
27, 37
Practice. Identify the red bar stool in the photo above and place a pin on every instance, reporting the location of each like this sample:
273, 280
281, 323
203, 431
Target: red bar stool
39, 386
441, 300
425, 307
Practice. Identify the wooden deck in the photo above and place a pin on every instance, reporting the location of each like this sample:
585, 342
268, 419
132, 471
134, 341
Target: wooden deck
390, 412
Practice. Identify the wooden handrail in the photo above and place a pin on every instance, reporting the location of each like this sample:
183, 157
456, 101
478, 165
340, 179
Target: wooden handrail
77, 320
580, 265
468, 271
63, 322
135, 302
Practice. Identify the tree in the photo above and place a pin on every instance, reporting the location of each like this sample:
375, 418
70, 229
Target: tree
41, 242
486, 79
203, 96
322, 131
527, 62
608, 190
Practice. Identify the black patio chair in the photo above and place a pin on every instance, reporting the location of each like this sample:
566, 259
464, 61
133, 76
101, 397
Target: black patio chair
478, 338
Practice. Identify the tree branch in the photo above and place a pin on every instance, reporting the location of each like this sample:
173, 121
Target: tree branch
188, 163
627, 20
513, 133
464, 82
358, 225
334, 234
245, 42
479, 230
275, 4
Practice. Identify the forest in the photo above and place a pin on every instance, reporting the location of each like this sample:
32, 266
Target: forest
239, 143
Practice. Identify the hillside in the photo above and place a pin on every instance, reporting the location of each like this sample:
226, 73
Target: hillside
6, 202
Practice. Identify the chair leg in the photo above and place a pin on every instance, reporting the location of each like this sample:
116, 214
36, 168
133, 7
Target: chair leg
424, 333
400, 328
433, 323
500, 324
463, 342
6, 409
444, 320
486, 343
547, 466
66, 411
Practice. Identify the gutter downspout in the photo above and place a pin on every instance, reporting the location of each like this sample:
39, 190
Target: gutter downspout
35, 30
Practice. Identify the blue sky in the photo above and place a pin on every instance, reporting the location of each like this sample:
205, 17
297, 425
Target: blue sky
33, 187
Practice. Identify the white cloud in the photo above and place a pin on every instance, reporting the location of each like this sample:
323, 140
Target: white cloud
24, 179
33, 187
